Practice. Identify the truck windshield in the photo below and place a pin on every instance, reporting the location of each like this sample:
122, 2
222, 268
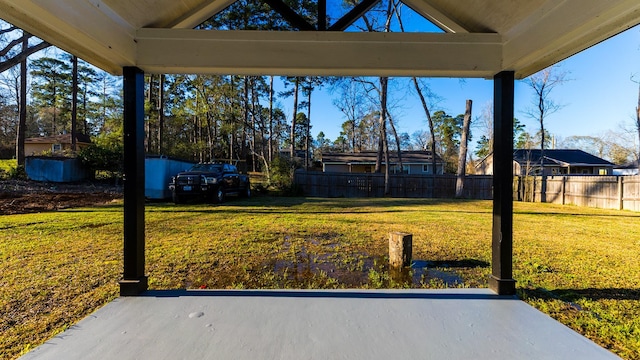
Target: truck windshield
207, 167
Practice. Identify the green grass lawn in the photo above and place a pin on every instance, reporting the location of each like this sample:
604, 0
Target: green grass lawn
579, 265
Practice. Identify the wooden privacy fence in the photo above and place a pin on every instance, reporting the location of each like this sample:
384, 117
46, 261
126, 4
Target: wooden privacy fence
607, 192
372, 185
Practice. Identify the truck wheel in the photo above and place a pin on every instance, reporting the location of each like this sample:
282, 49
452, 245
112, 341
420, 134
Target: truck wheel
176, 198
246, 192
220, 195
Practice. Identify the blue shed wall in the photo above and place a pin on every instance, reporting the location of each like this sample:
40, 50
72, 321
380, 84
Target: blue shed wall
55, 169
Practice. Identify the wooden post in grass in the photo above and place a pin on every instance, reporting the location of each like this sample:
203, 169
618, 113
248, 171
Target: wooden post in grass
400, 245
621, 192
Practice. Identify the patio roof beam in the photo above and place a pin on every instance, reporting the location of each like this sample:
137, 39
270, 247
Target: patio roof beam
201, 14
79, 27
304, 53
322, 15
501, 280
435, 16
290, 15
354, 14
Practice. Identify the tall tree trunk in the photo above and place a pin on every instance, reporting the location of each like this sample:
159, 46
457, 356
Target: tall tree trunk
292, 150
245, 120
431, 129
74, 102
85, 123
395, 135
270, 119
194, 140
378, 167
462, 159
353, 137
214, 138
638, 126
542, 139
148, 124
161, 114
55, 108
103, 120
253, 125
543, 180
263, 127
22, 121
308, 128
232, 132
384, 81
210, 125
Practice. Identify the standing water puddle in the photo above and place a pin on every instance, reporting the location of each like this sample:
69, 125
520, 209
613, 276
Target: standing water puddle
299, 263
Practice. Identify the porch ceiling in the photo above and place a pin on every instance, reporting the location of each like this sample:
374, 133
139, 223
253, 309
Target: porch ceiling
483, 37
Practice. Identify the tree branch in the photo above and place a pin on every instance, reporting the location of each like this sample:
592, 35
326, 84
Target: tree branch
10, 46
9, 63
8, 30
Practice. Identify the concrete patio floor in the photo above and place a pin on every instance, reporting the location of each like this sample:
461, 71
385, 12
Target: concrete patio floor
319, 324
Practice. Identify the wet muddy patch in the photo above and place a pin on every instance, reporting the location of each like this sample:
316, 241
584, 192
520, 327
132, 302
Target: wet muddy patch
300, 262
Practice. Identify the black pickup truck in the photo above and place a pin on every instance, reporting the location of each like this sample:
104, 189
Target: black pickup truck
209, 181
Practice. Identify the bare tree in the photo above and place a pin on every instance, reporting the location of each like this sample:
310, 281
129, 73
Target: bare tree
22, 120
383, 147
462, 159
397, 12
638, 126
15, 49
543, 83
351, 104
425, 107
398, 142
296, 87
421, 139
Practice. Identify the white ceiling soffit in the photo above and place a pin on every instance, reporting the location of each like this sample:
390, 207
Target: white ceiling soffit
483, 37
318, 53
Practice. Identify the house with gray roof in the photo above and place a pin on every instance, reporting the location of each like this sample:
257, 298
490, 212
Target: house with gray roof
628, 169
413, 162
556, 162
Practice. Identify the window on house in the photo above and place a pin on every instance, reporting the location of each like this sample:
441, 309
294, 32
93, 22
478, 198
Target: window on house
426, 168
56, 147
602, 171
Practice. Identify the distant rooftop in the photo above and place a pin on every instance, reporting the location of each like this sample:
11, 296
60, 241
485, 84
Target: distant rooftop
369, 157
560, 156
58, 139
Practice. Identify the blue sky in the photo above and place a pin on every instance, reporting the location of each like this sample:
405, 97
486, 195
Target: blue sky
599, 97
